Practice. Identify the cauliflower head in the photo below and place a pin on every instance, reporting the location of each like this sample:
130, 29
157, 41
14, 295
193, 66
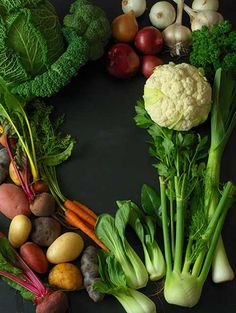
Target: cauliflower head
177, 96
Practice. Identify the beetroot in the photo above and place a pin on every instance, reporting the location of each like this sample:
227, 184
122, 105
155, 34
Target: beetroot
56, 302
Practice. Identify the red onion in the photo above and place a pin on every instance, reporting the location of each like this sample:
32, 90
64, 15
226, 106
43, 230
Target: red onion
149, 62
149, 40
123, 61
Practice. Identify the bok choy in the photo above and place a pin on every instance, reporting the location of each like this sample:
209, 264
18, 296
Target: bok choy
145, 228
111, 231
113, 281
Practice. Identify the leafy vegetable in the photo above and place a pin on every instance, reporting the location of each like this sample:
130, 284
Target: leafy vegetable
111, 231
144, 227
214, 49
113, 282
190, 234
33, 59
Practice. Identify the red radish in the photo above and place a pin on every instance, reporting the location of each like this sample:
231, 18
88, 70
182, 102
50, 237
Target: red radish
123, 61
149, 40
34, 257
148, 63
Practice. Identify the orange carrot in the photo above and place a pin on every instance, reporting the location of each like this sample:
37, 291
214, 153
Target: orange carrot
70, 205
86, 209
74, 220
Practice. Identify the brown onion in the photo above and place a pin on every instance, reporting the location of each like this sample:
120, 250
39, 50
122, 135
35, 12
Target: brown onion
125, 27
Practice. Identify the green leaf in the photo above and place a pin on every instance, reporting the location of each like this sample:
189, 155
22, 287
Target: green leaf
27, 295
151, 203
27, 41
53, 160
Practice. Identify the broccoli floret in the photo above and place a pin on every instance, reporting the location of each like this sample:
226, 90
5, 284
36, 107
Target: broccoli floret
60, 72
91, 23
214, 49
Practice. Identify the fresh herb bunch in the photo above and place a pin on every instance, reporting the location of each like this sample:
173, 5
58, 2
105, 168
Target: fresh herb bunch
190, 235
213, 49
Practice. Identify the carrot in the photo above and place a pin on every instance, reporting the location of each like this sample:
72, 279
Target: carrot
74, 220
70, 205
86, 209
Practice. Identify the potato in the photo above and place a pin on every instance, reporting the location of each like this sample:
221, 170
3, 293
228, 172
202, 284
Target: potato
65, 276
45, 231
65, 248
43, 205
13, 201
34, 256
56, 302
19, 230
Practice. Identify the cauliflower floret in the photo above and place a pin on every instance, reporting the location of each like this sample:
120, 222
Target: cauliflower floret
177, 96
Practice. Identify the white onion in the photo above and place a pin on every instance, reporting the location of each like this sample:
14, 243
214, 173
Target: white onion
138, 6
203, 5
162, 14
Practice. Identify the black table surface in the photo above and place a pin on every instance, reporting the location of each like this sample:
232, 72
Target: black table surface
110, 163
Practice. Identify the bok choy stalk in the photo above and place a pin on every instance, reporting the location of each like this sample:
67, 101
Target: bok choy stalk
111, 231
144, 227
190, 236
223, 120
113, 281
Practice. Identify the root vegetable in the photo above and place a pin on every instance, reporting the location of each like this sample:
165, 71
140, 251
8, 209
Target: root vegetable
89, 269
39, 186
14, 176
56, 302
43, 205
176, 36
149, 40
19, 230
148, 64
13, 201
203, 5
45, 231
162, 14
123, 61
34, 257
65, 248
137, 6
4, 164
199, 19
65, 276
125, 27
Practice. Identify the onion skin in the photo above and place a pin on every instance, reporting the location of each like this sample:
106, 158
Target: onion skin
125, 27
123, 61
149, 40
149, 63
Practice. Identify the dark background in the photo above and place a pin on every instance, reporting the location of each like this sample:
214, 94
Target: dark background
111, 162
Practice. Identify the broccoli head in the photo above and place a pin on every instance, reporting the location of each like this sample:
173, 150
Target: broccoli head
91, 23
214, 49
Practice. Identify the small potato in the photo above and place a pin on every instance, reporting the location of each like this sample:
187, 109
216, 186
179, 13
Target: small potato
19, 230
65, 276
65, 248
13, 201
43, 205
34, 256
45, 231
